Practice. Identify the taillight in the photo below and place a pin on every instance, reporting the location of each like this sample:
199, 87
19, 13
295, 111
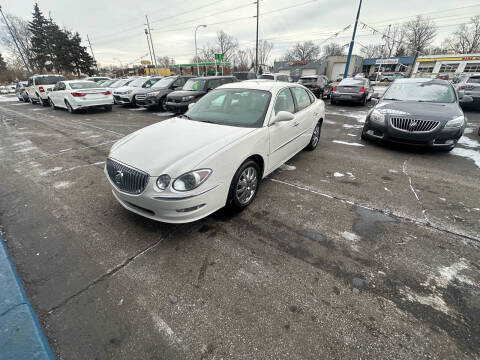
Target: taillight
76, 94
465, 87
335, 88
41, 89
22, 89
362, 89
107, 93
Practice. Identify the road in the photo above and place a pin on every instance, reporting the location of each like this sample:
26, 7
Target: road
355, 250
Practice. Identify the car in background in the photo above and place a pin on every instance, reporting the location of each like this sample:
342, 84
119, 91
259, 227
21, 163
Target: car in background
275, 77
3, 90
20, 91
38, 86
97, 78
125, 95
184, 168
193, 90
420, 112
469, 84
106, 83
390, 77
318, 84
11, 89
245, 75
79, 94
358, 90
156, 96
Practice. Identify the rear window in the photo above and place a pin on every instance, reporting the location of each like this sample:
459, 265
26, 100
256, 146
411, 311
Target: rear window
359, 82
474, 80
83, 85
307, 80
48, 80
267, 77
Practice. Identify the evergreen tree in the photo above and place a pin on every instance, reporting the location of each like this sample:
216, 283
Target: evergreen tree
3, 65
39, 39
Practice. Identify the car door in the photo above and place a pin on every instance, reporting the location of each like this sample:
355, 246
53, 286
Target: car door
52, 94
304, 116
283, 134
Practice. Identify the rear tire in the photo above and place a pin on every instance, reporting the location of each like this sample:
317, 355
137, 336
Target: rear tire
363, 102
52, 105
244, 186
315, 139
163, 103
69, 107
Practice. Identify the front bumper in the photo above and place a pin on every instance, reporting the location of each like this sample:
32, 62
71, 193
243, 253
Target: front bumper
123, 99
177, 106
173, 208
438, 138
151, 101
336, 96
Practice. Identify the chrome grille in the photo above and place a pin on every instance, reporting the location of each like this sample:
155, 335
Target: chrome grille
125, 178
413, 125
140, 97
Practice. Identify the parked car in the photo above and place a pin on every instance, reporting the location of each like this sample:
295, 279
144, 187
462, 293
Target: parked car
20, 91
79, 94
245, 75
422, 112
185, 168
11, 89
353, 90
276, 77
3, 90
469, 84
318, 84
106, 83
97, 78
156, 96
193, 90
38, 86
389, 77
125, 95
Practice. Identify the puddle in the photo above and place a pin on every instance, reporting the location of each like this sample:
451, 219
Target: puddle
367, 221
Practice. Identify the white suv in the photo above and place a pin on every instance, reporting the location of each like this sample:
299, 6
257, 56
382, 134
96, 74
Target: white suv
38, 85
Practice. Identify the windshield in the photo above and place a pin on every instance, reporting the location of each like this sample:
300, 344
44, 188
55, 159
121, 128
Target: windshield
357, 82
267, 77
420, 91
48, 80
163, 83
137, 82
307, 80
232, 107
84, 85
107, 83
194, 84
150, 82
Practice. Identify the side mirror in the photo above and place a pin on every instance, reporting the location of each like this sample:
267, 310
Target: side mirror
283, 116
466, 99
190, 105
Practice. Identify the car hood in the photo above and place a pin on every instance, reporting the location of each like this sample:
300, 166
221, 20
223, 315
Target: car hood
421, 110
124, 88
174, 146
182, 93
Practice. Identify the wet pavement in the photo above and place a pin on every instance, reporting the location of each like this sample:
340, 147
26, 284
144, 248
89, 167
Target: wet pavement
355, 250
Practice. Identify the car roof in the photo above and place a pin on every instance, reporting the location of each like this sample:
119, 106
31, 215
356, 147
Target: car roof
77, 81
45, 75
310, 76
267, 85
214, 77
422, 80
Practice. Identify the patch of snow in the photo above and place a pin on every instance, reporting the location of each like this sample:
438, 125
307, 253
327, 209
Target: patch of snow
329, 122
352, 135
359, 116
350, 236
49, 171
392, 171
27, 149
8, 99
467, 142
287, 167
165, 114
63, 184
387, 189
138, 109
348, 126
338, 174
347, 143
468, 153
443, 199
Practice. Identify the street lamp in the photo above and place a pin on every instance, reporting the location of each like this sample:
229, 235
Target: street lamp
196, 55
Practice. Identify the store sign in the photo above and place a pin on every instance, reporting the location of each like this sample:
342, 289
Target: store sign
145, 62
298, 63
453, 58
386, 61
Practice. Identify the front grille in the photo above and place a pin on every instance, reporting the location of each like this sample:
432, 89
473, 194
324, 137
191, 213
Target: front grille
125, 178
413, 125
140, 97
117, 97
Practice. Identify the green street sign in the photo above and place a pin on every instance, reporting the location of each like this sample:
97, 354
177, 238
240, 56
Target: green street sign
219, 57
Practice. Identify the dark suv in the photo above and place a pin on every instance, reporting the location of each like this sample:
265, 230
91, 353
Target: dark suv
318, 84
156, 97
193, 90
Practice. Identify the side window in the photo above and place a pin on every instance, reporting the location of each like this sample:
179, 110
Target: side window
55, 88
212, 84
226, 80
179, 82
284, 102
302, 98
312, 97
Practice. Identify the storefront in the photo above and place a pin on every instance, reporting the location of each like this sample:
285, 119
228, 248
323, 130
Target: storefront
297, 69
205, 68
386, 65
450, 65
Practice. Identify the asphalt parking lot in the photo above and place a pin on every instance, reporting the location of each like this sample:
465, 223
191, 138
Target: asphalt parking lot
355, 250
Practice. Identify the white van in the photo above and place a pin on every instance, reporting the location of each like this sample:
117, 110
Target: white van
38, 85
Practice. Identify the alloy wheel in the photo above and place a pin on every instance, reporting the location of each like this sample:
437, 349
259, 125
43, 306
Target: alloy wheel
247, 185
316, 135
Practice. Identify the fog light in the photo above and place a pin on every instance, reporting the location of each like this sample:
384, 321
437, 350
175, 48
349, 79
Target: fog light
190, 208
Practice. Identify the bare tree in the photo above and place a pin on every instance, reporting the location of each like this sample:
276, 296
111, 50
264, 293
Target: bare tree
394, 41
306, 51
372, 51
22, 34
206, 54
242, 60
264, 50
466, 39
164, 61
333, 49
226, 45
419, 34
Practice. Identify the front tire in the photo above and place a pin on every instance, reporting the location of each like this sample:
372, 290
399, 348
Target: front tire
315, 139
163, 103
52, 105
244, 186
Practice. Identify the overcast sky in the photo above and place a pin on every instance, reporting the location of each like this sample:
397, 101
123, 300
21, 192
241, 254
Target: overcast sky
116, 27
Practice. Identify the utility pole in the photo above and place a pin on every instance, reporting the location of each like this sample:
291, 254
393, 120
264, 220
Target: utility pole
16, 44
256, 46
90, 44
151, 41
148, 43
350, 49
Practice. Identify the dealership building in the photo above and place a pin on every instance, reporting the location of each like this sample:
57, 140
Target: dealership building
447, 64
386, 65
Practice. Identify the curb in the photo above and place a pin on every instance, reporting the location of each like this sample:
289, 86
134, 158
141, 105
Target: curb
21, 336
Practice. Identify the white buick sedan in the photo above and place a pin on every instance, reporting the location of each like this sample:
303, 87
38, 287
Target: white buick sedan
187, 167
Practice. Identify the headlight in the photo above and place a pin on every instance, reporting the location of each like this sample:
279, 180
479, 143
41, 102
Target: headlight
153, 93
129, 92
163, 181
188, 98
191, 180
455, 123
377, 117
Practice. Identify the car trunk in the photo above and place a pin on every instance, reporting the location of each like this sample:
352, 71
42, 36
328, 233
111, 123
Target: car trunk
349, 89
92, 94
